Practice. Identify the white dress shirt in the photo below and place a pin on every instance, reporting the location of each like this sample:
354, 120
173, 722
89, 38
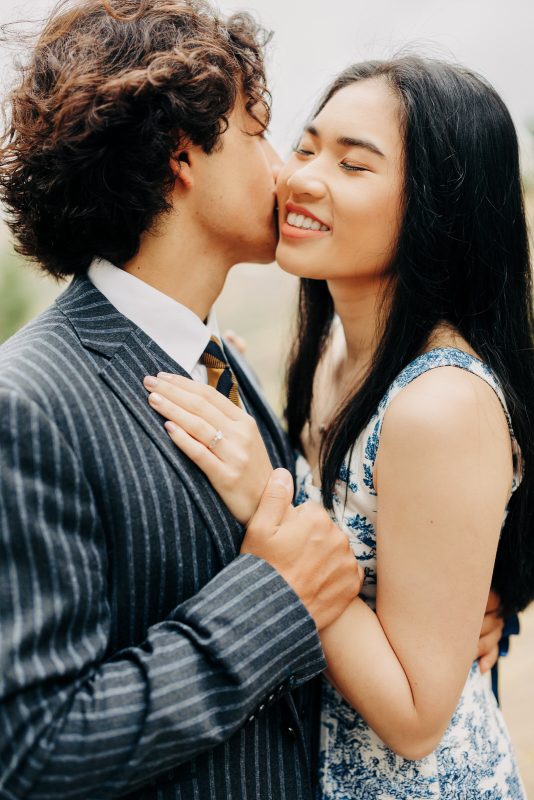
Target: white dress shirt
173, 326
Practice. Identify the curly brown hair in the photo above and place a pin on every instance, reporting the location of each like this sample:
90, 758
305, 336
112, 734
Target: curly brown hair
110, 92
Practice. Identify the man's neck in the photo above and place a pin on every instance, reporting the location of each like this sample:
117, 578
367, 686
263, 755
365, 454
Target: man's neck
187, 270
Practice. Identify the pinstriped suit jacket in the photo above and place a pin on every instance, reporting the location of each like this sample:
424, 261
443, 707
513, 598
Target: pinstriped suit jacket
140, 655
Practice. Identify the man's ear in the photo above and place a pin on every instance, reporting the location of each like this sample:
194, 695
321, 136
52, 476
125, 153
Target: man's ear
181, 167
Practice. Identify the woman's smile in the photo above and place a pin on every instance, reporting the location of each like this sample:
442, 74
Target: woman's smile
299, 223
346, 175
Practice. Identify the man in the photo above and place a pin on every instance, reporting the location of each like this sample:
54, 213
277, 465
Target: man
142, 656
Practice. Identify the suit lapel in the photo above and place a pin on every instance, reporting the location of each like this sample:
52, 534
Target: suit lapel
250, 388
131, 355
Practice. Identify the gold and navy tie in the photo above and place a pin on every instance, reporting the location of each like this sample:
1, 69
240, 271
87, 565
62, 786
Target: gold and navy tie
220, 376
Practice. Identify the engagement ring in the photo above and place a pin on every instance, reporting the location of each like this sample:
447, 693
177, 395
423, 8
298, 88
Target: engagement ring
216, 439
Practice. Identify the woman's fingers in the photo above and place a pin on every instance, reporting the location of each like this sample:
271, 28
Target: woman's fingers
204, 433
203, 394
202, 430
189, 402
238, 342
204, 458
223, 440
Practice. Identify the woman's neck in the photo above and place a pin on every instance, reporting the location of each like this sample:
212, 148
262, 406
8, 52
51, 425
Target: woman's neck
358, 305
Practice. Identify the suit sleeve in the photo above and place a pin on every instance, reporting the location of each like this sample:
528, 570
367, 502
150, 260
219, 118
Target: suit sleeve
77, 721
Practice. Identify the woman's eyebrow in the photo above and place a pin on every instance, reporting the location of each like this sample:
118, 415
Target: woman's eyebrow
349, 141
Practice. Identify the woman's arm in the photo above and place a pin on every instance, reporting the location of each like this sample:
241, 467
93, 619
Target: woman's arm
444, 473
443, 477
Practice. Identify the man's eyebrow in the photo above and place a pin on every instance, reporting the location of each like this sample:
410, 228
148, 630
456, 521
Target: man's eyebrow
349, 141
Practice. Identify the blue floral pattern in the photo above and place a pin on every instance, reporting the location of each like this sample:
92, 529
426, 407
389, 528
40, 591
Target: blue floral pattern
474, 760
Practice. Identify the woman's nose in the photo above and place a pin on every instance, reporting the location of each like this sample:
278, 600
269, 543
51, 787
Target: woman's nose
304, 181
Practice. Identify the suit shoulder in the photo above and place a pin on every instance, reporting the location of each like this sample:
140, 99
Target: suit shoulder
36, 360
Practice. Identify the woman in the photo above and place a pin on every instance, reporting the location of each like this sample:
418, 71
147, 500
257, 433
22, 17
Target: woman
410, 391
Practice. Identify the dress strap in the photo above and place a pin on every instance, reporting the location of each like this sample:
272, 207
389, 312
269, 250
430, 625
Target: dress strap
439, 357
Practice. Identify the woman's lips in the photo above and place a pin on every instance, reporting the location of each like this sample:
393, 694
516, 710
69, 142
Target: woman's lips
291, 232
291, 208
300, 223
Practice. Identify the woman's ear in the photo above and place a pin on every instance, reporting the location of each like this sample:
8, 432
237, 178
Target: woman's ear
181, 167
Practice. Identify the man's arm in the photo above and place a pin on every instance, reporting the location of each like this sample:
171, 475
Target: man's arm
76, 722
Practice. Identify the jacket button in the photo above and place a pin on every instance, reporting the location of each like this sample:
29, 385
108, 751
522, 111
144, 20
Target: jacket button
261, 708
271, 698
251, 718
292, 732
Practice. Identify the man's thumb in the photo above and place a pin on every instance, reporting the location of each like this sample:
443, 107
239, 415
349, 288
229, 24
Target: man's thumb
275, 501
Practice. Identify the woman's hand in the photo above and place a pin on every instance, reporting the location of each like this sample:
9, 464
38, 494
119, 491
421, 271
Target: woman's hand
220, 438
236, 341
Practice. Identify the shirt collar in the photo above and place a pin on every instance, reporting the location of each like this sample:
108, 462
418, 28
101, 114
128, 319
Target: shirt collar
173, 326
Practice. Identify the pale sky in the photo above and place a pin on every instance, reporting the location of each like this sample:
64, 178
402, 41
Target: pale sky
315, 39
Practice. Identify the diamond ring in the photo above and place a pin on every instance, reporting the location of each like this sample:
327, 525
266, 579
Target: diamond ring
216, 439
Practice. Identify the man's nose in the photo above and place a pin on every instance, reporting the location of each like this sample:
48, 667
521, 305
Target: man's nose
275, 162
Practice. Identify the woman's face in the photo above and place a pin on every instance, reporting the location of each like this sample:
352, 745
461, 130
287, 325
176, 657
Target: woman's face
340, 193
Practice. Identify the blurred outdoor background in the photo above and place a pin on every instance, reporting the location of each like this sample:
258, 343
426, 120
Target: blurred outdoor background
313, 41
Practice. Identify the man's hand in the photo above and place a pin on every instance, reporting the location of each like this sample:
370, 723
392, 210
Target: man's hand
306, 548
491, 633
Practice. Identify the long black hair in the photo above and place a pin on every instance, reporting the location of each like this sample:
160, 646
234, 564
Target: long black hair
462, 257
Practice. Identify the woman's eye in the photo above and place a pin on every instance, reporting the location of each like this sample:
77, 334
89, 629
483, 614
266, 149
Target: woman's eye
352, 167
302, 151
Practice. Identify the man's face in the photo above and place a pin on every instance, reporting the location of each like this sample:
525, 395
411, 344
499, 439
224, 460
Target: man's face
235, 192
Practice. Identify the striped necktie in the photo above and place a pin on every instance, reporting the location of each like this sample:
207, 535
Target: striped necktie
220, 376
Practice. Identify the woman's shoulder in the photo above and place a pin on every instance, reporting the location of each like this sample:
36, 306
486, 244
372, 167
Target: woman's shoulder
445, 397
448, 380
449, 415
446, 417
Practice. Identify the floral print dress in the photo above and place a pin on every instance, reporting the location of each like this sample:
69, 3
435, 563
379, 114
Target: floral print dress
474, 760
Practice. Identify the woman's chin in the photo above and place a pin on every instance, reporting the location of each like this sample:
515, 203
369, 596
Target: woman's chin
300, 267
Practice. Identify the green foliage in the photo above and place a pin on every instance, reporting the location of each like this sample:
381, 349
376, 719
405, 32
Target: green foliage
19, 292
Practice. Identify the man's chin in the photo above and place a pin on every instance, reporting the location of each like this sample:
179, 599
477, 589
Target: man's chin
261, 260
266, 254
259, 251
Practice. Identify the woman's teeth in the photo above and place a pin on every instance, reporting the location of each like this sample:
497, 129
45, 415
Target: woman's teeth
300, 221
